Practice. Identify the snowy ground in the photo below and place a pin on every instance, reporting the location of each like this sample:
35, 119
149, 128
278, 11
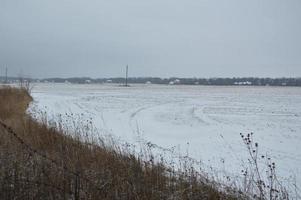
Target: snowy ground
204, 120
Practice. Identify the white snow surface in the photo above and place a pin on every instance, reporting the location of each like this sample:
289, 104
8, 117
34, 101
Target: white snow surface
204, 120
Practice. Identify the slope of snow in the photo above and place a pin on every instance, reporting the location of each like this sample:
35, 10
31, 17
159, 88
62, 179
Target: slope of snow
203, 120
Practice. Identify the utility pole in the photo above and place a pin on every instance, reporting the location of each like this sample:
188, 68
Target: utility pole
6, 75
126, 76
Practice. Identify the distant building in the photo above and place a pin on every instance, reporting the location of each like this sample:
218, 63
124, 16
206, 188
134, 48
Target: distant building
88, 81
243, 83
148, 82
177, 81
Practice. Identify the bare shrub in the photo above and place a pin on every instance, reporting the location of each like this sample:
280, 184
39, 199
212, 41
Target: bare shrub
260, 177
25, 84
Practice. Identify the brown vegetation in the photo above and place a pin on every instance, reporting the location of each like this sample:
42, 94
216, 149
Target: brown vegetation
39, 162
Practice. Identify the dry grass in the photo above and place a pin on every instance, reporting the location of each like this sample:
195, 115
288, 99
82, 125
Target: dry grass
39, 162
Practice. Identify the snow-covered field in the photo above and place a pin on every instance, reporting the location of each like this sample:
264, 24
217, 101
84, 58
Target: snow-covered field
204, 120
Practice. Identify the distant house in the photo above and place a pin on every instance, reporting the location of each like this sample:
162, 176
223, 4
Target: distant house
148, 82
243, 83
88, 81
177, 81
109, 81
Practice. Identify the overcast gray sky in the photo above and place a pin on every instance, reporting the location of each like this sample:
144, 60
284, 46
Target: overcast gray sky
186, 38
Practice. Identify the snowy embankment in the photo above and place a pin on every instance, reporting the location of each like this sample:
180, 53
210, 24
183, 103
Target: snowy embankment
204, 121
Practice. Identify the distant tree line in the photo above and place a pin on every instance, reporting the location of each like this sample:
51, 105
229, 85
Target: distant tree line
173, 81
185, 81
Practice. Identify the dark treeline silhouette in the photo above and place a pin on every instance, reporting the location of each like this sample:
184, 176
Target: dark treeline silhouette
173, 81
